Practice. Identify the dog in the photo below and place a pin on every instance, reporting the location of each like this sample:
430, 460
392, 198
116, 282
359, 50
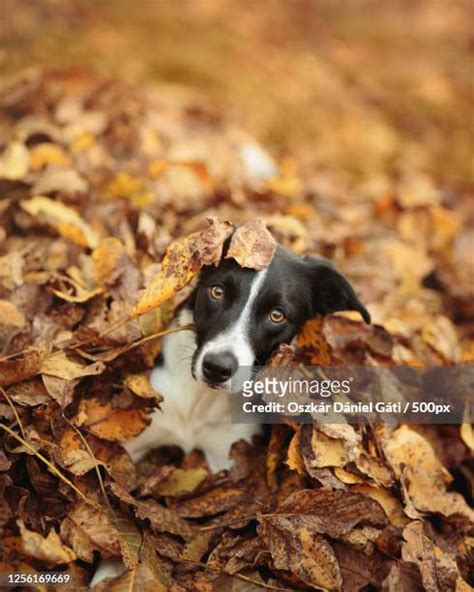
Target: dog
240, 317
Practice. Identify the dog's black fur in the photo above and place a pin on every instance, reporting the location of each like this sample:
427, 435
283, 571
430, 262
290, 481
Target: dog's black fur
299, 287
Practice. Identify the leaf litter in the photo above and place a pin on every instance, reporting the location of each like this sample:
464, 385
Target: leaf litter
102, 237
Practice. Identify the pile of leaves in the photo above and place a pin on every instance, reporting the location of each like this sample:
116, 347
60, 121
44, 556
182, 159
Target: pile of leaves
111, 201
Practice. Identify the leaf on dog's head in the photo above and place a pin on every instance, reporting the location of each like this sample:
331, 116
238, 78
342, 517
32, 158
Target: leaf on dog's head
182, 261
213, 239
252, 245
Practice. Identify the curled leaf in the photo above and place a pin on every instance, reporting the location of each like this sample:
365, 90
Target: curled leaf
252, 245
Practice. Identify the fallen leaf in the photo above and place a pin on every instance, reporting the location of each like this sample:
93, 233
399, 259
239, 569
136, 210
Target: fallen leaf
61, 180
63, 218
106, 258
60, 366
22, 367
50, 548
14, 162
111, 424
95, 526
10, 315
140, 385
328, 512
252, 245
48, 153
302, 552
138, 579
426, 480
177, 483
73, 455
182, 261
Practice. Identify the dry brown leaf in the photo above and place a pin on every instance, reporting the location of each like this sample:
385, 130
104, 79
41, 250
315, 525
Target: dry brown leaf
10, 315
391, 505
50, 549
161, 519
21, 367
328, 452
75, 538
63, 218
252, 245
138, 579
73, 455
60, 366
329, 512
438, 569
212, 502
29, 392
111, 424
294, 457
95, 525
426, 480
306, 554
60, 180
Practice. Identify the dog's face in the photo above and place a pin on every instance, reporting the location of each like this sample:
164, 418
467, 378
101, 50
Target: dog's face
242, 316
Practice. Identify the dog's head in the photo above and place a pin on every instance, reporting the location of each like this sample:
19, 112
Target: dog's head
242, 315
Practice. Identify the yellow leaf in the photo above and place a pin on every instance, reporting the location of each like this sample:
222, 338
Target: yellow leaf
49, 549
328, 452
140, 385
82, 142
73, 455
66, 220
182, 261
109, 423
106, 257
10, 315
14, 162
59, 365
390, 504
295, 459
180, 481
48, 153
123, 186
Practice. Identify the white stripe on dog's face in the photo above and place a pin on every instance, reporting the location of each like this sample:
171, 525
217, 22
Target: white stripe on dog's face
235, 339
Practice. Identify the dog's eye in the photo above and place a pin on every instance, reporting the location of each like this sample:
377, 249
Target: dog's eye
216, 292
276, 316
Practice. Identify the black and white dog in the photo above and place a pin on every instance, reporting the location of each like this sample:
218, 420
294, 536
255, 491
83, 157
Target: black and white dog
240, 317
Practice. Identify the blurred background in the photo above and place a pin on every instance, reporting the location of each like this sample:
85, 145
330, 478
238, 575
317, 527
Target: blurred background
372, 89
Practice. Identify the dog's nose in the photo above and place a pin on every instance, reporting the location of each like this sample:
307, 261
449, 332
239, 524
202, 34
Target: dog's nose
218, 368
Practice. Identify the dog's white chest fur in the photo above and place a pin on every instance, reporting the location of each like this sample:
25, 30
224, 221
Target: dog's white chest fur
192, 415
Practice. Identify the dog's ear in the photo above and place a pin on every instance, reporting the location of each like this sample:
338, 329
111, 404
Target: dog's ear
330, 289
